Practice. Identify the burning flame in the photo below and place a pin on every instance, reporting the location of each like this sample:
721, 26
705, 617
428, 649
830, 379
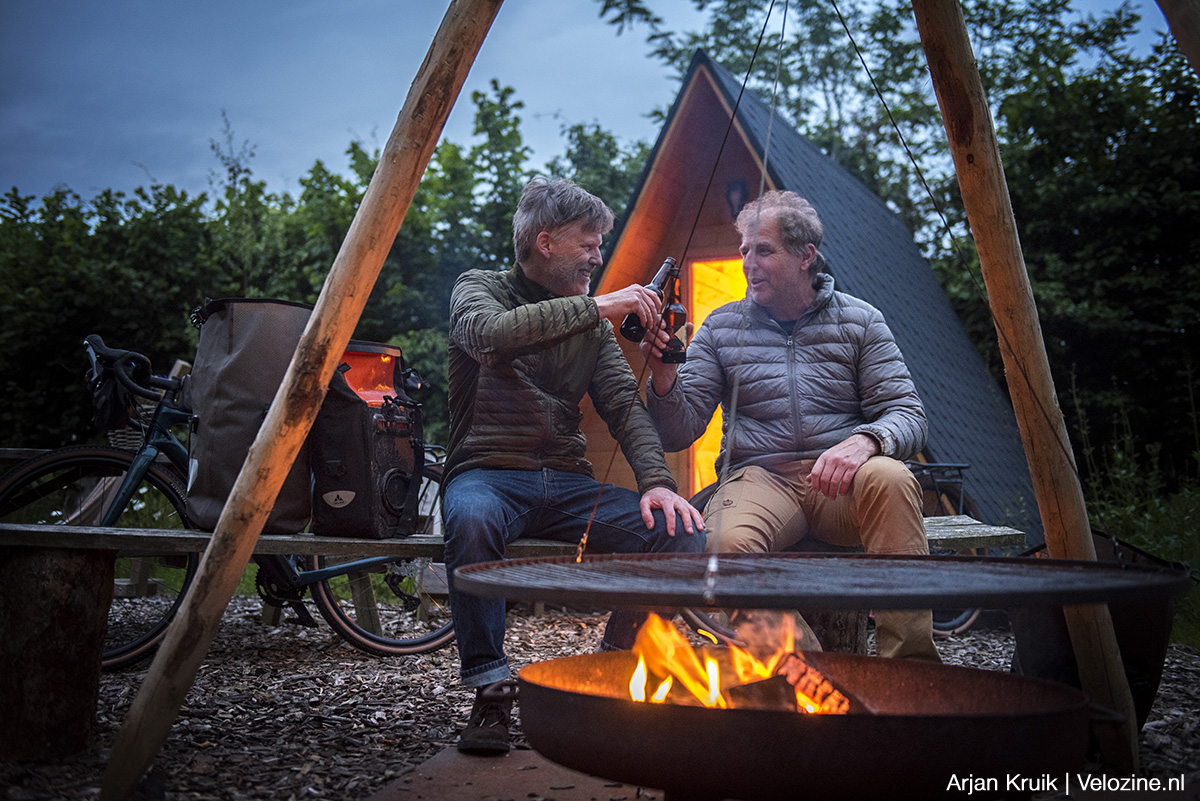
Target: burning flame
666, 657
637, 685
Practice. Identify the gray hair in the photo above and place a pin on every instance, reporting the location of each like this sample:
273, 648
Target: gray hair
548, 204
799, 225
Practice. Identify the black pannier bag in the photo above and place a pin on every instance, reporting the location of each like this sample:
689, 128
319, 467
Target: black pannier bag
366, 450
246, 345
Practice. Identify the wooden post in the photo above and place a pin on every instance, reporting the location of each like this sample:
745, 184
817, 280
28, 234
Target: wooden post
53, 612
350, 280
1060, 501
1183, 16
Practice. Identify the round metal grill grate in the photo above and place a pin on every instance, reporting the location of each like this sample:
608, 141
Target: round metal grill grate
817, 581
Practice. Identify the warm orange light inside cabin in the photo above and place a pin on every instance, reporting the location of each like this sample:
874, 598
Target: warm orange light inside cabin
714, 283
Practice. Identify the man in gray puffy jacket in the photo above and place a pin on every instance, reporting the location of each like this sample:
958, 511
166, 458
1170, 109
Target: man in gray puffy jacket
525, 346
825, 411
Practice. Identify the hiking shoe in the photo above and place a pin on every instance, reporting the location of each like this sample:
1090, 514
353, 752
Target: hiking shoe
486, 733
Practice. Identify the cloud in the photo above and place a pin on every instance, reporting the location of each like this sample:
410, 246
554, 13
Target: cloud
92, 90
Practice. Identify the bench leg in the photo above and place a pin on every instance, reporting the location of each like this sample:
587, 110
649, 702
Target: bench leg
53, 612
366, 611
272, 615
844, 631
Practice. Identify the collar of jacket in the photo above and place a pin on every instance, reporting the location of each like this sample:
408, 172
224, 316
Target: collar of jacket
528, 288
823, 283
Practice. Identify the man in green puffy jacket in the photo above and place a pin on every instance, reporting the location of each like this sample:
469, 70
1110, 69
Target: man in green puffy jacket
525, 346
826, 411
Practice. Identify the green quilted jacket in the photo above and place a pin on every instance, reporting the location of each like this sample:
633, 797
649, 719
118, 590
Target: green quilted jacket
521, 360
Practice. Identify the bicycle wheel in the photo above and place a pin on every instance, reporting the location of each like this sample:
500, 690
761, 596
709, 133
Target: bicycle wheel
948, 500
954, 621
74, 486
398, 608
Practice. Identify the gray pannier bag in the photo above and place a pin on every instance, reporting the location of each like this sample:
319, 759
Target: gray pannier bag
246, 345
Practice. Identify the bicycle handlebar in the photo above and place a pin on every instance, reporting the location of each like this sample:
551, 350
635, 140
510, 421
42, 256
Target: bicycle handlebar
131, 369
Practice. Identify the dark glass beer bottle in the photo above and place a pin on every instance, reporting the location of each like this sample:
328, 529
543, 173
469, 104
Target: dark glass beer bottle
674, 316
632, 329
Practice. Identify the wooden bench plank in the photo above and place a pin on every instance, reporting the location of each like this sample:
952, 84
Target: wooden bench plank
159, 541
944, 533
959, 532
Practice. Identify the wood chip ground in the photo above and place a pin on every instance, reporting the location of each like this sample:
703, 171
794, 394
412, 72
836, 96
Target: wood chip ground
286, 713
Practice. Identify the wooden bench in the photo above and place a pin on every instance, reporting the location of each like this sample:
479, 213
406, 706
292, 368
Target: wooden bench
957, 533
55, 582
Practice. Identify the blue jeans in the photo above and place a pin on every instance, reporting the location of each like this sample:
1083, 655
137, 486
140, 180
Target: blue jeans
483, 510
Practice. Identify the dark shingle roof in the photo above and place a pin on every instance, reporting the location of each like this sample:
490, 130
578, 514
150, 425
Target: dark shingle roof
872, 256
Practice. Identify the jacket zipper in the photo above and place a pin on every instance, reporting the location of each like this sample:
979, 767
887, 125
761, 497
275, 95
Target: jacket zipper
792, 389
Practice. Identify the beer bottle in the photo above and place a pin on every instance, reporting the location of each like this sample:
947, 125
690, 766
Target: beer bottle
674, 316
632, 329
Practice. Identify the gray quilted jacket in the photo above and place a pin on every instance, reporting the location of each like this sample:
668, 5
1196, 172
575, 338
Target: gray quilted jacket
521, 360
837, 373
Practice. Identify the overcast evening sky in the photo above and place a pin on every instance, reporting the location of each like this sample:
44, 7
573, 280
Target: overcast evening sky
99, 94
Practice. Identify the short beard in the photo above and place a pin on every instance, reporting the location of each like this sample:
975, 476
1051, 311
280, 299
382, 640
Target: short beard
566, 273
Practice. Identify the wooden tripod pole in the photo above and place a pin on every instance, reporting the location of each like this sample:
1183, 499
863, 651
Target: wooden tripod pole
350, 280
1183, 16
1043, 432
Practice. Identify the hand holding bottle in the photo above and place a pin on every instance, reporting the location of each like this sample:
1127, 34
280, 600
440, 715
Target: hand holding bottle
633, 302
634, 327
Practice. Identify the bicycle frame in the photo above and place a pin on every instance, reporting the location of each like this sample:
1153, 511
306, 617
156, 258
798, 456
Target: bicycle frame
159, 440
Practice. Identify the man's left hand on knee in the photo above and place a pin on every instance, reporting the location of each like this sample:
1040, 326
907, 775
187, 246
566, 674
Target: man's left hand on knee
671, 504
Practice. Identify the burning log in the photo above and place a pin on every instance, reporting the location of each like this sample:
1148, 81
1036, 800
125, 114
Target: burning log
797, 687
775, 693
825, 696
670, 670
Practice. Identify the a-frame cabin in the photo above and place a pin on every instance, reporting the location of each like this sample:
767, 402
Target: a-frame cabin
870, 254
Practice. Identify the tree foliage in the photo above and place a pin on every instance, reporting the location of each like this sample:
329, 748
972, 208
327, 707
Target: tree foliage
595, 159
1107, 194
73, 268
131, 267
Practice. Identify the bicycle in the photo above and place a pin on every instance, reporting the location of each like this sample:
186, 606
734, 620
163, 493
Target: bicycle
375, 604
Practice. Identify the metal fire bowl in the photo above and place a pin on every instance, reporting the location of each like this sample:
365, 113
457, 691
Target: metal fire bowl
816, 581
933, 722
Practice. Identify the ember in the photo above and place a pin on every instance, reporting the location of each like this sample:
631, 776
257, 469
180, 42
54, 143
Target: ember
780, 680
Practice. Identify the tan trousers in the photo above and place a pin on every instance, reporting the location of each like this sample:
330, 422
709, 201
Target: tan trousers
758, 510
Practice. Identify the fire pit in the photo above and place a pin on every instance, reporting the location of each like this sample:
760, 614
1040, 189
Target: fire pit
930, 723
913, 728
